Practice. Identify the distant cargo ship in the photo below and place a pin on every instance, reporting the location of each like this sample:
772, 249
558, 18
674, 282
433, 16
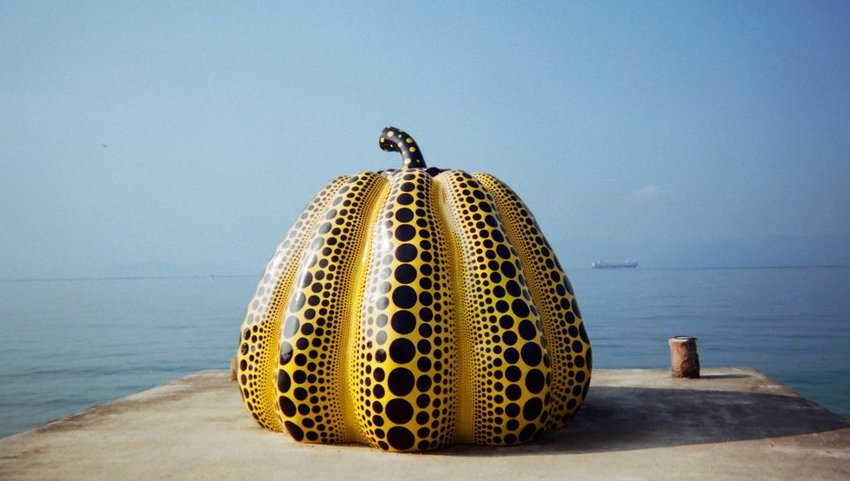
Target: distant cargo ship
614, 265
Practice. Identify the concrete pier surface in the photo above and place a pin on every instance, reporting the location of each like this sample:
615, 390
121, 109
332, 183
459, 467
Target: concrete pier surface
636, 424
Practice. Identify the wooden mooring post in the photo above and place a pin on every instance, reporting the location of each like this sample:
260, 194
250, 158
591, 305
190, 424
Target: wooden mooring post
684, 358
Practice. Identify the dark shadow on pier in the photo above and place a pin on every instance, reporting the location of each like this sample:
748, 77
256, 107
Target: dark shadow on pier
628, 418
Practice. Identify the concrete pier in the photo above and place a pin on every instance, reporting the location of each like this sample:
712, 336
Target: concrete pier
636, 424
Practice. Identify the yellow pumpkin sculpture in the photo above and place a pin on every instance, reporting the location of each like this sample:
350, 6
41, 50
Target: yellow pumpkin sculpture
410, 309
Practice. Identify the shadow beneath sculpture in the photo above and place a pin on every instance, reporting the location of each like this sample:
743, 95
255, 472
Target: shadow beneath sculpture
627, 418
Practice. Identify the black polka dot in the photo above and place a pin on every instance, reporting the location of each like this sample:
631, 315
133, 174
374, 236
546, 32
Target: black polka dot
403, 322
520, 307
527, 330
405, 199
422, 417
404, 297
287, 406
406, 253
405, 273
294, 431
527, 433
283, 381
400, 438
404, 215
513, 392
579, 361
577, 346
583, 334
575, 308
405, 232
534, 381
508, 269
402, 351
531, 354
400, 381
399, 411
532, 409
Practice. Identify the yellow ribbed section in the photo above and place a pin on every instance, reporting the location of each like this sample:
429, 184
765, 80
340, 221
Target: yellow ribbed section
345, 384
450, 230
258, 346
507, 358
315, 326
568, 345
403, 363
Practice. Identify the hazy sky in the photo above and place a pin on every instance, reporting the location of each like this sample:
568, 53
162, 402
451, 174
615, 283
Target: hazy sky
184, 138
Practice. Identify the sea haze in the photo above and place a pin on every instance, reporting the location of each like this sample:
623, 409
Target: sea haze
71, 344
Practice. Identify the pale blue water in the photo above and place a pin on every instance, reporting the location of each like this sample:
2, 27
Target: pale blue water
69, 344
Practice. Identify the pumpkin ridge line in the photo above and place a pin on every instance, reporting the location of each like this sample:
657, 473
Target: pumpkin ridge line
464, 396
351, 334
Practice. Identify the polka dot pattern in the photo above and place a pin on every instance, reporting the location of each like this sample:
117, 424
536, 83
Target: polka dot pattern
310, 380
505, 361
404, 366
569, 347
258, 340
410, 309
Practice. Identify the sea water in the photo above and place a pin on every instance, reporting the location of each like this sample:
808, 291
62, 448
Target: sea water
66, 345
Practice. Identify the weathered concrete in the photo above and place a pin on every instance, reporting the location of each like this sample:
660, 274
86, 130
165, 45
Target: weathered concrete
636, 424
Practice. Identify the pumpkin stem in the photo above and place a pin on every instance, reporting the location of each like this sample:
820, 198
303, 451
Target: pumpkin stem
395, 140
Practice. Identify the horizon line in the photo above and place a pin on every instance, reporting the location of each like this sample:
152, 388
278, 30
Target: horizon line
213, 276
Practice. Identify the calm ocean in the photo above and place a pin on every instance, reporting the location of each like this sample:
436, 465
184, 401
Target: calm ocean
69, 344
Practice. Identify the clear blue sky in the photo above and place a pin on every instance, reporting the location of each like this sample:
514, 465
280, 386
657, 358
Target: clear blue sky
676, 133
